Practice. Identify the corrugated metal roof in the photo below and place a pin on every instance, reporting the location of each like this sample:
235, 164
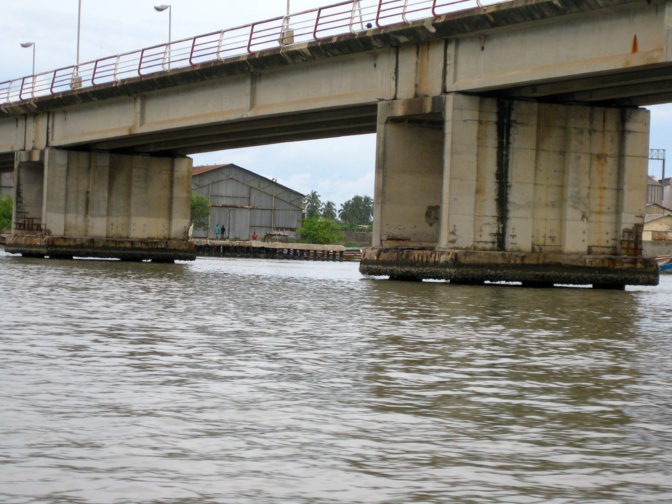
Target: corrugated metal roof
199, 170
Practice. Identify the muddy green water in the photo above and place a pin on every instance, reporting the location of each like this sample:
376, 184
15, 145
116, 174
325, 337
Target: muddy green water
252, 381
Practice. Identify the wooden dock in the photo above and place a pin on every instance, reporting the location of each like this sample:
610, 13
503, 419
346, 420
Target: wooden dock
270, 250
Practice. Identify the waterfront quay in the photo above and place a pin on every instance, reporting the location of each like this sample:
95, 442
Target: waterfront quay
270, 250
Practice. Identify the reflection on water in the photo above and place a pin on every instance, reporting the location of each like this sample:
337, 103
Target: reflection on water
270, 381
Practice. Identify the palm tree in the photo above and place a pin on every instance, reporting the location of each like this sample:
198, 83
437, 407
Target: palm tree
368, 209
329, 210
346, 213
358, 210
313, 205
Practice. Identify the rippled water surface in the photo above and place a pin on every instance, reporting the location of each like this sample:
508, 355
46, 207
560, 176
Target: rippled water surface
252, 381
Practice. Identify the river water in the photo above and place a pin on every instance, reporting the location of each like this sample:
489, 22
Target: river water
254, 381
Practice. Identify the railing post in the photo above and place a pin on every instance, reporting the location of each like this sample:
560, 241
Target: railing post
93, 75
191, 52
221, 43
249, 41
116, 68
166, 55
380, 7
352, 15
142, 56
317, 23
53, 80
23, 82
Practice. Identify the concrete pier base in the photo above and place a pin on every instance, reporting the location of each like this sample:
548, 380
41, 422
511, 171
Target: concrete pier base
531, 269
127, 250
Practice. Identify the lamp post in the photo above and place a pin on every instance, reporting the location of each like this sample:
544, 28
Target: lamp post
76, 81
26, 45
79, 25
161, 8
287, 36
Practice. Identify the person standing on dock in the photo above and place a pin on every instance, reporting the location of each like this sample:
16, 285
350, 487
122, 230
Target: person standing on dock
217, 231
223, 232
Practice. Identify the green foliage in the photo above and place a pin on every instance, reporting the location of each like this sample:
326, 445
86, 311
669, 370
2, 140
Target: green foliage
200, 211
6, 205
320, 230
313, 205
358, 211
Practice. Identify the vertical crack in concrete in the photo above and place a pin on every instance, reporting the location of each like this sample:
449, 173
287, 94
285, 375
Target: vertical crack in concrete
504, 111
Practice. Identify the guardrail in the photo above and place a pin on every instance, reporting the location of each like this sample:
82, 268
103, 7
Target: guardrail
327, 22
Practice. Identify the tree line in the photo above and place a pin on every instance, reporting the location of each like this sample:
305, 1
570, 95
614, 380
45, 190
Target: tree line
357, 211
324, 223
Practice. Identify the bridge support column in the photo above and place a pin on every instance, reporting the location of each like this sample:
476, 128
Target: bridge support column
86, 204
472, 189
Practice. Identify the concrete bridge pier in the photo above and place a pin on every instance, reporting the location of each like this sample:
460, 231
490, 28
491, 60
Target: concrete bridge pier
97, 204
473, 189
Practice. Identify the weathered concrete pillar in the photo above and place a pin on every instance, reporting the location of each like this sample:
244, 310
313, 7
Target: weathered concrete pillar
109, 205
459, 178
409, 162
633, 175
28, 192
99, 199
536, 193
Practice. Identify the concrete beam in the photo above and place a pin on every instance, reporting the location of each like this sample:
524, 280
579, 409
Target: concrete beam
613, 51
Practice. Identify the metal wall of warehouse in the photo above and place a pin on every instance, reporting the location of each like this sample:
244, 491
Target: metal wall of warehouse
244, 203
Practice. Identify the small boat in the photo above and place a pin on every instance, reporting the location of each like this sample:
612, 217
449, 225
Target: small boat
664, 264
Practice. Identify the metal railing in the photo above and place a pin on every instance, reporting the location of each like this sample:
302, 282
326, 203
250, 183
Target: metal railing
327, 22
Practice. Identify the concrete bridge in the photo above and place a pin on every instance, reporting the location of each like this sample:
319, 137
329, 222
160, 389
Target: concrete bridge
510, 142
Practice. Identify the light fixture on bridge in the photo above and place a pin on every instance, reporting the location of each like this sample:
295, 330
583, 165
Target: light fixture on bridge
26, 45
76, 81
287, 34
161, 8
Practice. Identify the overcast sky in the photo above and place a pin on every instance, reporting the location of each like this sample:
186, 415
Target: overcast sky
337, 169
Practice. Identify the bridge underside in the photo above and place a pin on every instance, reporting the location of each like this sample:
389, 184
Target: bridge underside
249, 132
472, 189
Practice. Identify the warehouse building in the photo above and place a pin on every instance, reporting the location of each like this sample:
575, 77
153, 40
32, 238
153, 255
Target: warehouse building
244, 203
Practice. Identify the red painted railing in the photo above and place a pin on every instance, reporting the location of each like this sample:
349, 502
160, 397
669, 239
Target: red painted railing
335, 20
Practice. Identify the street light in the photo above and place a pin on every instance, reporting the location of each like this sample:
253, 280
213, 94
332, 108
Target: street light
26, 45
76, 81
161, 8
287, 32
